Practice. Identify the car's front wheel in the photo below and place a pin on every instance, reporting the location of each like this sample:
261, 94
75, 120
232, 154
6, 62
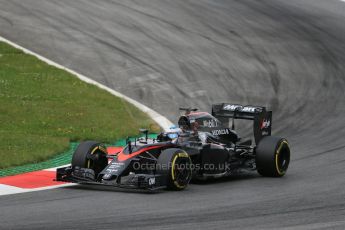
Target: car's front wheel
175, 165
91, 155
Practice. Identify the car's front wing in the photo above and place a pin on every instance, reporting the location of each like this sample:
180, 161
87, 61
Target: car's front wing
132, 181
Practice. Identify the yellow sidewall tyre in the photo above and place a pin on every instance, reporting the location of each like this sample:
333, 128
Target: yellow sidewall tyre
272, 156
175, 165
90, 154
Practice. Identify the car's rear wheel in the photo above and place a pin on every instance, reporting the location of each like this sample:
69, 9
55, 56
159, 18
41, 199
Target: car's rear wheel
91, 155
175, 165
272, 156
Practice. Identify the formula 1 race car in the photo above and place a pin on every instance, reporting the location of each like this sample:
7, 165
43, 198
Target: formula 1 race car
203, 146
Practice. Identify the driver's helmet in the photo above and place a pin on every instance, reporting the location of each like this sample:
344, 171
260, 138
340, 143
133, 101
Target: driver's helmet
173, 132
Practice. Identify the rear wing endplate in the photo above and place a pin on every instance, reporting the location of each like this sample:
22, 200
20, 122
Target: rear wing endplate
262, 118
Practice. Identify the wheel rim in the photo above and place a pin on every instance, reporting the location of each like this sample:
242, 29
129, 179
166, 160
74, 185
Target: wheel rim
181, 170
282, 157
91, 164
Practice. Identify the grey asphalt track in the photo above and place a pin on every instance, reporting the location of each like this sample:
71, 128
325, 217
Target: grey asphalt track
288, 55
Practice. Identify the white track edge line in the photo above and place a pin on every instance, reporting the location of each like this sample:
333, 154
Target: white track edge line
14, 190
162, 121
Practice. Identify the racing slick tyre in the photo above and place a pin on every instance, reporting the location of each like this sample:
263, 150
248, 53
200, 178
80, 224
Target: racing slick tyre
91, 155
272, 156
175, 164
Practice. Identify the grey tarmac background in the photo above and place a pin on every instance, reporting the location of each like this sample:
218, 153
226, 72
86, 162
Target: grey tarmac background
288, 55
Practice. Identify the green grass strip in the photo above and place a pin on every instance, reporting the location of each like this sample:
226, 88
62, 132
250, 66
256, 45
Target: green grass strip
43, 109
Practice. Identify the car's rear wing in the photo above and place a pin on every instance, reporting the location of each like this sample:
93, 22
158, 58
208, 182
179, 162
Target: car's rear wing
262, 118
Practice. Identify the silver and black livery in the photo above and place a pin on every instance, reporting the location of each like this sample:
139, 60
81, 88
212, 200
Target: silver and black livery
205, 145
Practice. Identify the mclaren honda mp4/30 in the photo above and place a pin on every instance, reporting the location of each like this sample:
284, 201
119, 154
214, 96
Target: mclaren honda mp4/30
203, 146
